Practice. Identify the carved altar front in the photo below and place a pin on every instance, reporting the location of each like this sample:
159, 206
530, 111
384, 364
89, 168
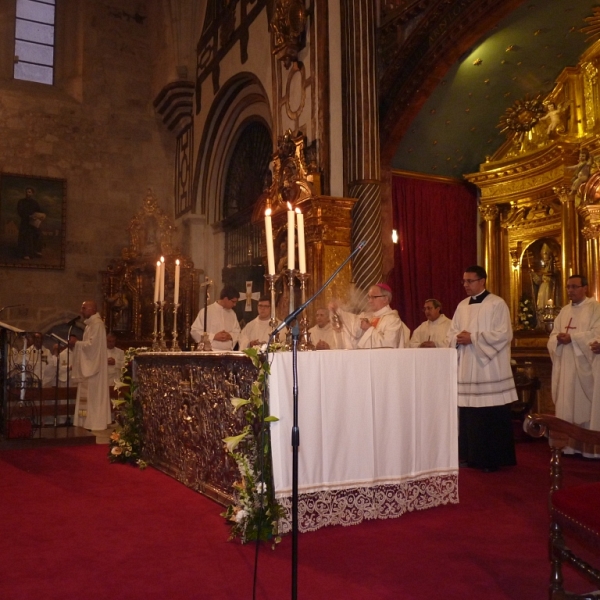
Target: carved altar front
128, 283
540, 206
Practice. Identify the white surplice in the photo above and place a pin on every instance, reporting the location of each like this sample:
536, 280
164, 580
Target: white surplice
90, 364
325, 334
114, 371
259, 330
573, 364
387, 330
484, 373
432, 331
218, 319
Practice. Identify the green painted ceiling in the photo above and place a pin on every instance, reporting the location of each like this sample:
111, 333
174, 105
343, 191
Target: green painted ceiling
524, 54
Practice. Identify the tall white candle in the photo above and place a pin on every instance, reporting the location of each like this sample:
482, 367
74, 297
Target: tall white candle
157, 281
162, 279
176, 292
270, 247
291, 249
301, 244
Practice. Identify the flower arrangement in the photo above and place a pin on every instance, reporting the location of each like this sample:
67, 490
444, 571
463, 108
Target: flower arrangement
526, 314
125, 443
255, 513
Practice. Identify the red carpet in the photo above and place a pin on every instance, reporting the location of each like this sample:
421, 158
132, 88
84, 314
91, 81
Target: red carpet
75, 527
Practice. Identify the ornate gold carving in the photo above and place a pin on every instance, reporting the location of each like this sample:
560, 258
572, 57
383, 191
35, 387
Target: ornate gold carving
521, 117
489, 213
187, 413
150, 230
590, 77
524, 184
288, 25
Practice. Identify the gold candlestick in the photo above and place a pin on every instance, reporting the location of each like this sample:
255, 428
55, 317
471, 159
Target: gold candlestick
174, 345
155, 345
162, 342
304, 342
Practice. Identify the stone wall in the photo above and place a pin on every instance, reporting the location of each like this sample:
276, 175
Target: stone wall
95, 128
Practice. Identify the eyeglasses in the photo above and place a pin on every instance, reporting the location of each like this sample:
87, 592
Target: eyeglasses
470, 281
372, 297
574, 287
264, 306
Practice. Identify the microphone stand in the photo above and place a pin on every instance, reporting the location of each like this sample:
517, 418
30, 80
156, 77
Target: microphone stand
295, 427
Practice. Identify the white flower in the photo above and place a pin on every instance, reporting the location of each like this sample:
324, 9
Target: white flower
240, 515
261, 487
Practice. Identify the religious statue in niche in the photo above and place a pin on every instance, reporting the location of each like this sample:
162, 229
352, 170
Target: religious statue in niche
541, 273
120, 313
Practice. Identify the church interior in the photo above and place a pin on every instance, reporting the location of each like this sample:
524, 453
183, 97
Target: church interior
433, 134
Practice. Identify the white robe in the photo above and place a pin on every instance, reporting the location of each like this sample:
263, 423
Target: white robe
389, 332
325, 334
432, 331
90, 364
114, 371
574, 364
257, 330
66, 356
484, 373
37, 363
218, 319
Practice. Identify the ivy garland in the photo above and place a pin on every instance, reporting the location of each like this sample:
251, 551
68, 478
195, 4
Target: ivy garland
255, 513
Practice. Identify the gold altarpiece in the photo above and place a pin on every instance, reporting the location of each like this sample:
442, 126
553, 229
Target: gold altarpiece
540, 206
128, 281
328, 223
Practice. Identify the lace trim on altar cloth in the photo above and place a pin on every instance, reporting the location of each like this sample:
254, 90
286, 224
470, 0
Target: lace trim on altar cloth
352, 506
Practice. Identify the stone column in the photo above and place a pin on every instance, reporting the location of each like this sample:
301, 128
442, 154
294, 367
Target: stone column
490, 259
361, 136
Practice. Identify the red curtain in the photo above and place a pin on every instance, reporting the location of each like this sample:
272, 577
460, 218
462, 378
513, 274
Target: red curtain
437, 230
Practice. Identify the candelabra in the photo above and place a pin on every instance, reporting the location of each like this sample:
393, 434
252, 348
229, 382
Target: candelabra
162, 342
155, 344
305, 343
174, 346
272, 280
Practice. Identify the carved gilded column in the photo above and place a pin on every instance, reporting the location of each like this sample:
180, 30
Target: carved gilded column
490, 260
569, 238
591, 234
361, 135
515, 285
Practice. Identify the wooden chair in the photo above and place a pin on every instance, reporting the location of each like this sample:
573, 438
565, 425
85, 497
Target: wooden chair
574, 509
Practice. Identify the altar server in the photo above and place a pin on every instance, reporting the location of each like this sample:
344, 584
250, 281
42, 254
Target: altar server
222, 324
90, 364
481, 331
433, 333
575, 328
258, 331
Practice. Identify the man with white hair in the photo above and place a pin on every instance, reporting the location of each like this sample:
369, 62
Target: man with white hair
323, 336
378, 327
433, 332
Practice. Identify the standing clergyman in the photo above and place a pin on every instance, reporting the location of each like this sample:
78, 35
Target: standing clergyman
433, 333
90, 364
481, 332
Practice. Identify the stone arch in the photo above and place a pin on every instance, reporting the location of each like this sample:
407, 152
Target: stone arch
240, 101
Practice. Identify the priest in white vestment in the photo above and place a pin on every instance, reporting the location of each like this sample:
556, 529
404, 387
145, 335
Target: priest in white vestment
323, 336
573, 362
433, 333
90, 364
481, 331
64, 358
222, 323
258, 331
378, 327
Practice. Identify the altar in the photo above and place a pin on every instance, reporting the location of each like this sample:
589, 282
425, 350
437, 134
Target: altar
378, 428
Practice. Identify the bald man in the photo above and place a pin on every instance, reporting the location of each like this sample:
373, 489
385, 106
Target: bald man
90, 364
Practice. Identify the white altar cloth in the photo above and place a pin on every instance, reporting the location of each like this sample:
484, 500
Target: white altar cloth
378, 433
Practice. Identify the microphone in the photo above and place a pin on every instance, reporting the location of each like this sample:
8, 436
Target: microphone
295, 313
72, 321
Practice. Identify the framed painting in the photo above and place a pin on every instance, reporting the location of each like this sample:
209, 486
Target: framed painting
32, 221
